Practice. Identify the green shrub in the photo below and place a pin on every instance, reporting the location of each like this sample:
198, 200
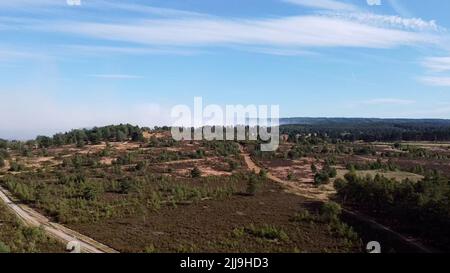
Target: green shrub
302, 215
290, 176
141, 165
330, 211
4, 248
150, 249
345, 231
321, 179
125, 185
233, 165
267, 232
263, 173
339, 184
16, 167
253, 184
196, 173
90, 192
238, 232
330, 171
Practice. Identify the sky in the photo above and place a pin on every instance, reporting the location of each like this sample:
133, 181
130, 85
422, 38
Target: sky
80, 63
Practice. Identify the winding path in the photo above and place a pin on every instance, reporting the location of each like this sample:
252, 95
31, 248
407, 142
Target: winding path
413, 243
59, 232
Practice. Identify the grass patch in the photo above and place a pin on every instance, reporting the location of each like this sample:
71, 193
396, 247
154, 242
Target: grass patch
267, 232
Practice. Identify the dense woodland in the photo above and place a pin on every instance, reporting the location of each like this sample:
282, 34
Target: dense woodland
369, 130
421, 208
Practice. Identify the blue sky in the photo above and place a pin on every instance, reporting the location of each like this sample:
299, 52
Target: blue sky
102, 62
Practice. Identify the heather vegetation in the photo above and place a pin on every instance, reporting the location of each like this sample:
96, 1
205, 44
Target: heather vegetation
77, 198
16, 238
128, 180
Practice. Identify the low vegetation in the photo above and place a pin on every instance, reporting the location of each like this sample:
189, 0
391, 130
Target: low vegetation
16, 238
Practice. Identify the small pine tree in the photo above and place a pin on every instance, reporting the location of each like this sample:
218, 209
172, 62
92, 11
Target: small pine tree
321, 178
253, 184
263, 173
290, 176
195, 172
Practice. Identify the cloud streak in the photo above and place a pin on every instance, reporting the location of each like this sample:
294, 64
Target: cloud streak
323, 4
388, 101
391, 21
116, 76
439, 81
293, 32
439, 64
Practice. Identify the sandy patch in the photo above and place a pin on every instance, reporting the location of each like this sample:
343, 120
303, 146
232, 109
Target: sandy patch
107, 160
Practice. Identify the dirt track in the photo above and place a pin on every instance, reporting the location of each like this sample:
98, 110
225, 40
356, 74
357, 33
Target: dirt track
32, 218
294, 188
412, 242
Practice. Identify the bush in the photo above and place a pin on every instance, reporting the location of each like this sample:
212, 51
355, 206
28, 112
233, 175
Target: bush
196, 173
253, 184
16, 167
340, 184
302, 215
330, 212
330, 171
90, 192
267, 232
233, 165
150, 249
2, 162
4, 248
238, 232
141, 165
321, 179
345, 231
263, 173
290, 176
125, 185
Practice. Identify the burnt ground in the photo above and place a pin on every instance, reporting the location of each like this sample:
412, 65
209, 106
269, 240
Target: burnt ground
213, 225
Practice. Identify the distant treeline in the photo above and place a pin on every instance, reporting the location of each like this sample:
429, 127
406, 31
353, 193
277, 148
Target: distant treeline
122, 132
368, 129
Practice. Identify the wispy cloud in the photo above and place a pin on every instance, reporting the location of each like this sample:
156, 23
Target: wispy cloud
436, 66
388, 101
9, 54
323, 4
440, 81
390, 21
126, 50
167, 31
439, 64
280, 51
297, 31
116, 76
